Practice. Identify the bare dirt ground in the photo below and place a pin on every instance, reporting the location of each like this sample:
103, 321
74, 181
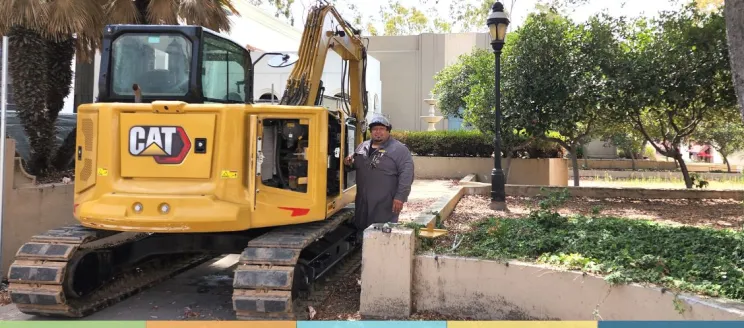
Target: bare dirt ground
415, 206
716, 213
343, 304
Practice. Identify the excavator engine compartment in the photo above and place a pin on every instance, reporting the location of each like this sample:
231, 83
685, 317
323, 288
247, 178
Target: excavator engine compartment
284, 144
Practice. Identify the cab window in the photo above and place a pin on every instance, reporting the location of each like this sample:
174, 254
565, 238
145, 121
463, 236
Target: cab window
159, 63
223, 72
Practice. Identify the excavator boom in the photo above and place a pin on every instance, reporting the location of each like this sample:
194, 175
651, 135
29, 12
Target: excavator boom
325, 29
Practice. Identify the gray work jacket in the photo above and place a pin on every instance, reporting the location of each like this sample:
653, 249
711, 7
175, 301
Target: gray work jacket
381, 176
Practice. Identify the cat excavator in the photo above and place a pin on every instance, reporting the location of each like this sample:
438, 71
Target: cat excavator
176, 164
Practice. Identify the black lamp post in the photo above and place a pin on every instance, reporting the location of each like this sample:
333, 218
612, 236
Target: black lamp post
497, 23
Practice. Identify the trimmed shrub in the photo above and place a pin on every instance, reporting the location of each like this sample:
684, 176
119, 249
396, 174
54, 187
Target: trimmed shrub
459, 143
468, 143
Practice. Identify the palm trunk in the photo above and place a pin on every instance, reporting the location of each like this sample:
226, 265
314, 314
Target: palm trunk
59, 82
28, 56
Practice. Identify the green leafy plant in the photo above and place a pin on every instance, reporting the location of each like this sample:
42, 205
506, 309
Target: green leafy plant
681, 258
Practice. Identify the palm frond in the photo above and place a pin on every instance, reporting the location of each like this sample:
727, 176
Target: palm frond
208, 13
121, 12
163, 12
68, 17
229, 5
31, 14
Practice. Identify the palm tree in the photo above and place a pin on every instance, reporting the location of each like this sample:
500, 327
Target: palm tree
44, 35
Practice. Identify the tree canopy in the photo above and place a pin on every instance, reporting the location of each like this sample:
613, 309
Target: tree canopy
625, 81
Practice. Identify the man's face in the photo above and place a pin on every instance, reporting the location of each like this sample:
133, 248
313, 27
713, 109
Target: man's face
379, 133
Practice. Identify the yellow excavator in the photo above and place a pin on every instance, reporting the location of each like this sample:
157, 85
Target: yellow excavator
176, 165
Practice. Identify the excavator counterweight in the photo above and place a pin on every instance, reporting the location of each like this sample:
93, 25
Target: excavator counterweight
176, 164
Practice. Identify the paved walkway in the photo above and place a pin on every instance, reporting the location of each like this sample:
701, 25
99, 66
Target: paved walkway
205, 292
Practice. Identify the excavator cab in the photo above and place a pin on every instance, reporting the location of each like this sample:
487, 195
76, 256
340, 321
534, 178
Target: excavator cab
146, 63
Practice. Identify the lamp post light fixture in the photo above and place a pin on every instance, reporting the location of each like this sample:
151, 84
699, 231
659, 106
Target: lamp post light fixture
497, 24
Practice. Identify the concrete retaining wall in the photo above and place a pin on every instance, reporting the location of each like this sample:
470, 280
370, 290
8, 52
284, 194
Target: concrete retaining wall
652, 174
490, 290
29, 209
546, 172
625, 164
476, 188
630, 193
397, 283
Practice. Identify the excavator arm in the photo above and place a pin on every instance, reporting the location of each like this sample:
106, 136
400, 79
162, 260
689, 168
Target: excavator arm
325, 29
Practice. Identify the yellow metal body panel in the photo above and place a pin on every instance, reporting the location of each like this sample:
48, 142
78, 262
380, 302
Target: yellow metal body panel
218, 190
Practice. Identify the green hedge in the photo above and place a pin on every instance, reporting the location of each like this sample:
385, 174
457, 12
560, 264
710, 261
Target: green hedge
468, 143
460, 143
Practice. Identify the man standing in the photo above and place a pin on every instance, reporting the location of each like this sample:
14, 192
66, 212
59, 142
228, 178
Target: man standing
384, 175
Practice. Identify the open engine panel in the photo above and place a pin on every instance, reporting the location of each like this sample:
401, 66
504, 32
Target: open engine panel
284, 146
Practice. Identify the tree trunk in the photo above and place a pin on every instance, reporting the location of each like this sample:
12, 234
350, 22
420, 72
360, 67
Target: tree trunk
28, 56
725, 160
59, 82
733, 11
632, 160
574, 162
507, 166
586, 159
683, 168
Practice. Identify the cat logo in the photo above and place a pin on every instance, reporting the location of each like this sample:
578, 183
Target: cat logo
165, 144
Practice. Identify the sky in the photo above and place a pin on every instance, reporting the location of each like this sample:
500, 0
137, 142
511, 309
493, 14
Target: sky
520, 10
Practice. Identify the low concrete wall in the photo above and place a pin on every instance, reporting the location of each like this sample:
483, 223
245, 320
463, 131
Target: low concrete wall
29, 209
540, 171
652, 174
490, 290
624, 164
630, 193
478, 188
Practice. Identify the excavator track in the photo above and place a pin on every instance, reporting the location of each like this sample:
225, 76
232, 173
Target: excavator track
74, 271
60, 272
283, 271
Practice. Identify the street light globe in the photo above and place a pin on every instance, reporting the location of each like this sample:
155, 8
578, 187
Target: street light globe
497, 23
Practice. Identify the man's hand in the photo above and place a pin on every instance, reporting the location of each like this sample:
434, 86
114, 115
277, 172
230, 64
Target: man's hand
397, 206
349, 160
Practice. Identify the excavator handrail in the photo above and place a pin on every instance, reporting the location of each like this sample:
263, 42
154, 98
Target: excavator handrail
326, 29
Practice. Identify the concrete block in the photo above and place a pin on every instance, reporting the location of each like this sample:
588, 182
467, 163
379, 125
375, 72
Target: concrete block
387, 273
